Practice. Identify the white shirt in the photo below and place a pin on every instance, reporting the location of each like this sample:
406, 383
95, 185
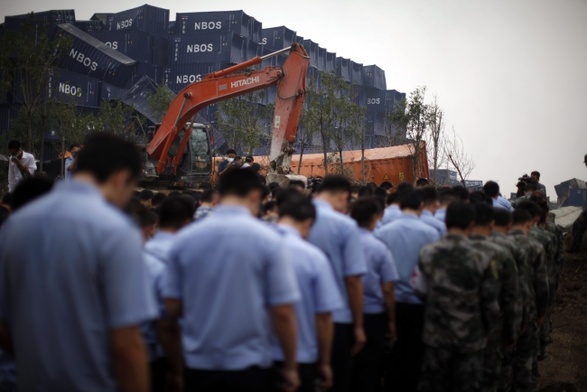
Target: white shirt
14, 174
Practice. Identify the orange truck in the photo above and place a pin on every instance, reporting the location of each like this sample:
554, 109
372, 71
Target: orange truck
395, 164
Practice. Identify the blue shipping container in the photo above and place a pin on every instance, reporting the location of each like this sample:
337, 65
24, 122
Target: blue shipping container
312, 49
236, 22
357, 73
374, 100
208, 48
330, 62
91, 57
393, 98
69, 87
276, 38
90, 26
110, 92
137, 45
374, 76
146, 18
179, 76
343, 68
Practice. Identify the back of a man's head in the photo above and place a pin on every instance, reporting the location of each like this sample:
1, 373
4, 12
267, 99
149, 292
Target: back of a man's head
422, 182
491, 188
145, 195
521, 217
387, 185
14, 145
296, 206
480, 197
364, 209
460, 215
335, 184
484, 214
462, 192
502, 217
105, 154
29, 189
175, 212
208, 195
239, 183
533, 209
429, 195
447, 196
411, 200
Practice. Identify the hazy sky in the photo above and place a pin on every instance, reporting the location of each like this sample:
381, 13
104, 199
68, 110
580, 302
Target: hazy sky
511, 75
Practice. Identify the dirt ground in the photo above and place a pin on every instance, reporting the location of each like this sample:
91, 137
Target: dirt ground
565, 367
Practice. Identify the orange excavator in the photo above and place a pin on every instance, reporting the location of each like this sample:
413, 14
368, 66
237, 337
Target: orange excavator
180, 150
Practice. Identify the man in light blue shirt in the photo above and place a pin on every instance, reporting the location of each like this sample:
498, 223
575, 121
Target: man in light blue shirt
393, 211
379, 302
229, 279
491, 189
445, 197
74, 150
320, 296
431, 205
405, 237
338, 237
71, 305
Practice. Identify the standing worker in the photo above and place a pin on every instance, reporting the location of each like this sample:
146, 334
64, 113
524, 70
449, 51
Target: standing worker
69, 161
70, 310
21, 165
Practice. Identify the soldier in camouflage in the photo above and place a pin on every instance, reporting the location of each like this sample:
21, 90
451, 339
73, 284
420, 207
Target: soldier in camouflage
535, 276
460, 287
504, 336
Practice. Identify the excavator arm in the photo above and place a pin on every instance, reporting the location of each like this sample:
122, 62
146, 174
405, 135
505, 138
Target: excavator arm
227, 83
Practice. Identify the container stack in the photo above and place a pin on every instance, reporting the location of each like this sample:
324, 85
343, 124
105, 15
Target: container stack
127, 54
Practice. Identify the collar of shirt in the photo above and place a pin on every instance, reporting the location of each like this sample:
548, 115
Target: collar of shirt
288, 230
323, 204
364, 231
457, 237
231, 210
407, 217
426, 213
79, 187
162, 235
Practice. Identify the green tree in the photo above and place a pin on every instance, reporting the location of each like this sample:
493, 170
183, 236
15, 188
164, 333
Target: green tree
244, 121
160, 101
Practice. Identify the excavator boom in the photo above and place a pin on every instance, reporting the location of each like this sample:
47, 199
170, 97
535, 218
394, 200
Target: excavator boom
231, 82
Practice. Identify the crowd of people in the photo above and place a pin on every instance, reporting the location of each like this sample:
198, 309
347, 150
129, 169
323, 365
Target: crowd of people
254, 287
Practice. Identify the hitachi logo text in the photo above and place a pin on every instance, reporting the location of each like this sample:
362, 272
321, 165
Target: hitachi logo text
207, 25
65, 88
82, 59
244, 82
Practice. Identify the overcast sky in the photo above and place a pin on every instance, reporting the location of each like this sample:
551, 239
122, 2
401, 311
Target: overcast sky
511, 75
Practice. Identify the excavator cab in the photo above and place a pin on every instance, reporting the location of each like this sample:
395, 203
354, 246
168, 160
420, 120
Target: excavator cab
195, 165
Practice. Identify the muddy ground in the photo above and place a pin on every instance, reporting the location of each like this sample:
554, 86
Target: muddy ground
565, 367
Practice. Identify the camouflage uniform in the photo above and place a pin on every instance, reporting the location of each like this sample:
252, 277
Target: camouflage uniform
535, 278
506, 377
510, 304
462, 289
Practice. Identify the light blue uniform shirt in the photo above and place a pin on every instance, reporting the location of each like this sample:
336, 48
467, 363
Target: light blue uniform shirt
71, 270
338, 237
380, 269
317, 287
160, 245
155, 272
501, 202
441, 215
68, 173
405, 237
228, 270
433, 222
390, 214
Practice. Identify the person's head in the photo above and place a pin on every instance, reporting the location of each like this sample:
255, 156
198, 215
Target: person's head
158, 198
430, 198
422, 182
480, 197
460, 216
366, 212
238, 161
533, 209
210, 197
298, 211
241, 187
14, 147
502, 220
29, 189
297, 185
230, 154
74, 149
484, 215
447, 196
256, 167
462, 192
249, 159
387, 185
175, 212
491, 189
535, 175
336, 190
112, 163
530, 187
521, 220
411, 202
146, 197
144, 217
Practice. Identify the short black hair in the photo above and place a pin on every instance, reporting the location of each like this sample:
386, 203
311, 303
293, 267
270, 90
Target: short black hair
175, 211
535, 173
364, 209
14, 145
531, 207
462, 192
29, 189
158, 198
300, 183
380, 193
491, 188
460, 214
145, 194
447, 196
74, 145
208, 195
484, 214
249, 158
298, 207
387, 185
411, 200
520, 217
422, 182
255, 166
239, 183
142, 215
480, 197
231, 151
335, 183
105, 154
531, 187
502, 217
429, 195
